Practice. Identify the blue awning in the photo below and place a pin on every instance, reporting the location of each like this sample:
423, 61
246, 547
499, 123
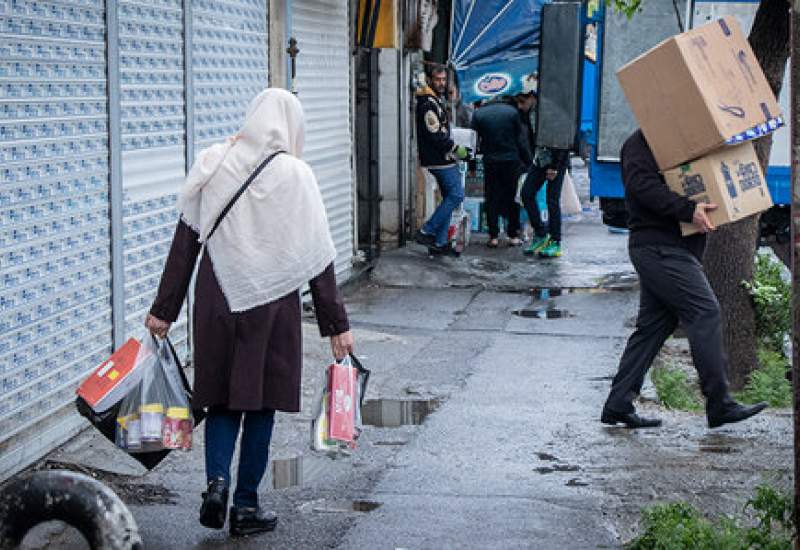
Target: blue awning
495, 45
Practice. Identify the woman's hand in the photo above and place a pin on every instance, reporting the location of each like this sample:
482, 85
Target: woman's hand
156, 326
342, 345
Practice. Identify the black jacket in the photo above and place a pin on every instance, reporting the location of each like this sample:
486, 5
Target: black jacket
654, 210
502, 135
433, 131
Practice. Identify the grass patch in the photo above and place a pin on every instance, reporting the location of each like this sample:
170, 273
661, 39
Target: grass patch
678, 526
768, 383
674, 390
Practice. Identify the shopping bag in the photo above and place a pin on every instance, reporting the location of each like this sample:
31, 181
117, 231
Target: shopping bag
155, 416
324, 436
116, 376
570, 203
106, 422
342, 401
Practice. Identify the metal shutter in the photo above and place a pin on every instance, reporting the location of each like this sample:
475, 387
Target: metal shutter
323, 85
153, 155
229, 65
55, 282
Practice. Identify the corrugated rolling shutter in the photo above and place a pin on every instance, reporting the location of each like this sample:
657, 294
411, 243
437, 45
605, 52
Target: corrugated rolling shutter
229, 64
153, 154
55, 283
321, 28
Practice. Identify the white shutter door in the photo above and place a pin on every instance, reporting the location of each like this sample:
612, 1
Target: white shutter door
229, 64
55, 273
153, 154
323, 86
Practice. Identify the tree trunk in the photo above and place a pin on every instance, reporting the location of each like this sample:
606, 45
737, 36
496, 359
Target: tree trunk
731, 248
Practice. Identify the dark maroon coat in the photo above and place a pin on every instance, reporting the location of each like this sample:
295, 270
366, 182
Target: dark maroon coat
248, 360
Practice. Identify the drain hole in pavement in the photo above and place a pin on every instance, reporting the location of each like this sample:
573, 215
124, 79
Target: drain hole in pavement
393, 413
296, 471
543, 313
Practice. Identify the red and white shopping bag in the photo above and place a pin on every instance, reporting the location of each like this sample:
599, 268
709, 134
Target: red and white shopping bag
343, 401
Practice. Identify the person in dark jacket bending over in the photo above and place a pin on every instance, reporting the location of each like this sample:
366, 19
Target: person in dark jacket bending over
674, 289
503, 139
438, 153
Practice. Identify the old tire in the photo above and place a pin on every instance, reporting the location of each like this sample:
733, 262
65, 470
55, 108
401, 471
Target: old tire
78, 500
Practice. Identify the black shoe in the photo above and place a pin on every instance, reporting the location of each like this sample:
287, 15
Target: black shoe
631, 420
215, 504
249, 521
424, 239
735, 412
444, 250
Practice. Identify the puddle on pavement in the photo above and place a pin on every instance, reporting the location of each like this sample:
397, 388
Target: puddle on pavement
296, 471
546, 293
720, 444
543, 313
393, 413
556, 468
546, 456
575, 482
340, 506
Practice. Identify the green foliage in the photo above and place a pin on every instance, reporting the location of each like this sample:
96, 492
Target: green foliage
768, 383
774, 511
628, 7
678, 526
772, 297
674, 390
674, 526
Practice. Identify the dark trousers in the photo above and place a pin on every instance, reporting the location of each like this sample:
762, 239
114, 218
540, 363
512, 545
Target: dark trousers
533, 182
673, 288
222, 430
500, 190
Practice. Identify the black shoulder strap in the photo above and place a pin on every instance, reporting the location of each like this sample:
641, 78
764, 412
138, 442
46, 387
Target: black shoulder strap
241, 190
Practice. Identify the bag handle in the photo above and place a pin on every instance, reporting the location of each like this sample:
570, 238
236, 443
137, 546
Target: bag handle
364, 372
241, 190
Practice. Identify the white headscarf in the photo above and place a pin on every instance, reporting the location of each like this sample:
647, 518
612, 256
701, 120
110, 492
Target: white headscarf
276, 236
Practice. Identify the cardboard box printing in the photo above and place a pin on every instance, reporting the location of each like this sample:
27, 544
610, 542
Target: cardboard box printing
730, 177
699, 90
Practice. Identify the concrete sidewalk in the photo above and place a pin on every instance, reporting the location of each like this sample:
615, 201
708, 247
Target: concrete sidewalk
509, 381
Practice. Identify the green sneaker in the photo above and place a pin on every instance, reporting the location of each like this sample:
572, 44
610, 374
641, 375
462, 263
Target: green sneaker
552, 250
537, 245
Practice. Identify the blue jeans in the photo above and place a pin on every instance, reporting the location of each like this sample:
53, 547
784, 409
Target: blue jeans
449, 181
222, 430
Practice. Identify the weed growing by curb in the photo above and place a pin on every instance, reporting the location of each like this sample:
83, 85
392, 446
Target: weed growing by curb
674, 390
768, 383
678, 526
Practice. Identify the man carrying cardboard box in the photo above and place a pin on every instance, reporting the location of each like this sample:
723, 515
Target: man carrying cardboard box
674, 289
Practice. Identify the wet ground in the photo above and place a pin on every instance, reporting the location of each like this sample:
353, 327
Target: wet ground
488, 375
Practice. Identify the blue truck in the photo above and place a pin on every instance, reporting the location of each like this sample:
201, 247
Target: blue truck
606, 119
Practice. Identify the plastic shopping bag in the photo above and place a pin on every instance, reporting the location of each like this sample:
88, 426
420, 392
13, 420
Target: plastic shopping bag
156, 415
570, 203
336, 422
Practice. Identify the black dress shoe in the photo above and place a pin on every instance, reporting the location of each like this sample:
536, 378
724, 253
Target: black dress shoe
249, 521
735, 412
631, 420
215, 504
424, 239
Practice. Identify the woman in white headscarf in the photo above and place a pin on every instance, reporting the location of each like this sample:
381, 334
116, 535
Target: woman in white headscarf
247, 312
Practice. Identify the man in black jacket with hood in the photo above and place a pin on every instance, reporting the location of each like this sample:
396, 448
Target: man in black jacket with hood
674, 289
438, 154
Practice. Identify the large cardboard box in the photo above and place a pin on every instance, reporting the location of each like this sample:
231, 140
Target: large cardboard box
731, 178
699, 90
